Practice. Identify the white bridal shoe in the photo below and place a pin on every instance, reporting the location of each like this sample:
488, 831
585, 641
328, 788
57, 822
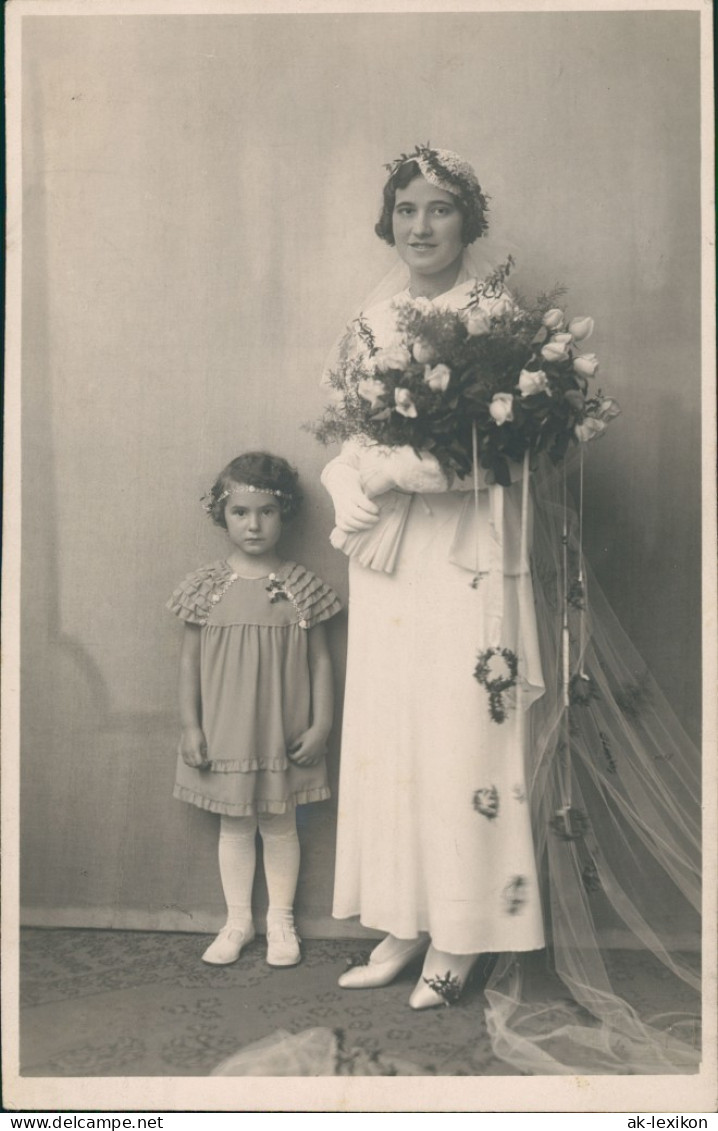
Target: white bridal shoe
442, 979
228, 946
380, 973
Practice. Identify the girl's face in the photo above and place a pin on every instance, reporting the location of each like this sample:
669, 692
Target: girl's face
427, 228
254, 521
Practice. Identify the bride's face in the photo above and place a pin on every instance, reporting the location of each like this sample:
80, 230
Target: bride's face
427, 227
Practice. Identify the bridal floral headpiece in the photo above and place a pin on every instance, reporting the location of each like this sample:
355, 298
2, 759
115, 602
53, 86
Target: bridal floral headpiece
449, 172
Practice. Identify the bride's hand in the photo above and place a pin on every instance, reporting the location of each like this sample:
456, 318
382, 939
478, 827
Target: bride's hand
353, 509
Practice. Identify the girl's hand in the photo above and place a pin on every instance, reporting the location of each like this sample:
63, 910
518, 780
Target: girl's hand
193, 747
308, 748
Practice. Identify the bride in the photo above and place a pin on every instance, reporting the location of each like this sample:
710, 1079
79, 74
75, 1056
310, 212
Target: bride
434, 838
459, 837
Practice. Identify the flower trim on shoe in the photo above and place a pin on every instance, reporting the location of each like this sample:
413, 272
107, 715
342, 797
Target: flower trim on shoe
447, 986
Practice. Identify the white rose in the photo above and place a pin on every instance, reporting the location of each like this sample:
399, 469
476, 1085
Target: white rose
437, 378
404, 403
531, 383
394, 357
477, 322
608, 409
371, 389
501, 407
423, 352
581, 328
586, 364
589, 429
501, 305
555, 351
554, 319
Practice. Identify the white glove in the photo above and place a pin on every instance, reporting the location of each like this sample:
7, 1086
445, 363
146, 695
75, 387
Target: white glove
353, 509
386, 468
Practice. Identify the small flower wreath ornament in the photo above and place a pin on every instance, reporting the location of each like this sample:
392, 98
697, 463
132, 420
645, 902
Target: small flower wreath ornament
496, 683
486, 802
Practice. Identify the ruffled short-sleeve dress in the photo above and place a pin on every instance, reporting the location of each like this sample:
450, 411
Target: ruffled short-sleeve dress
255, 686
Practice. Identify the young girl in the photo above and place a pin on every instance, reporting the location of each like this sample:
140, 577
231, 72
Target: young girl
255, 696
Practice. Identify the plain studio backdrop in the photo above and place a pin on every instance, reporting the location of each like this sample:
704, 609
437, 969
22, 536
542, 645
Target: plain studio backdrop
199, 200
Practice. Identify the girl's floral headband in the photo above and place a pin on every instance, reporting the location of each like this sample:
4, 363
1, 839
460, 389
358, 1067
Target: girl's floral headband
210, 500
449, 172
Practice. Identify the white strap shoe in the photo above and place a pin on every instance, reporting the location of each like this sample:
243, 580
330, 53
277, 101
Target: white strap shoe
228, 945
282, 943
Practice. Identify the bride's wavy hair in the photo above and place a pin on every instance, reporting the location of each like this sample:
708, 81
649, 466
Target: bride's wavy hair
472, 206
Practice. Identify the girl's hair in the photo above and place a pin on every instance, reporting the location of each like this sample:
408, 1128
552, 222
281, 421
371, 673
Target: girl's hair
262, 471
471, 205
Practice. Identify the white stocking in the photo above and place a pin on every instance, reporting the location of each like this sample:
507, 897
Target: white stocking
237, 862
281, 860
391, 948
439, 962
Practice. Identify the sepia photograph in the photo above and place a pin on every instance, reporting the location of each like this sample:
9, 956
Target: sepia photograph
359, 589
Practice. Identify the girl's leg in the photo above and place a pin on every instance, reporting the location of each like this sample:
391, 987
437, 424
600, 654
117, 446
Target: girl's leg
237, 862
281, 868
281, 858
237, 865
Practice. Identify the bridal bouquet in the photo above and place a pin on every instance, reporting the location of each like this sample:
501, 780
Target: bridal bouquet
492, 378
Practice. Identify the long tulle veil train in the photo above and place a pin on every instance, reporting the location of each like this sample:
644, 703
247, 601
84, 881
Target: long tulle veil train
614, 787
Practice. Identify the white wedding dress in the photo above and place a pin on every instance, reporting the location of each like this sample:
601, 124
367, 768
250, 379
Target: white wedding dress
434, 830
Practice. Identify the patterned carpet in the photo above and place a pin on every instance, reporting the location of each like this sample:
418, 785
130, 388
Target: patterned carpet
128, 1003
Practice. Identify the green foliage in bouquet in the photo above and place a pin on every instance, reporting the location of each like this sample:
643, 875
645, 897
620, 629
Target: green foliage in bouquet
514, 375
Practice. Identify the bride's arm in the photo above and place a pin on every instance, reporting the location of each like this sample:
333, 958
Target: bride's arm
353, 509
419, 474
403, 469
